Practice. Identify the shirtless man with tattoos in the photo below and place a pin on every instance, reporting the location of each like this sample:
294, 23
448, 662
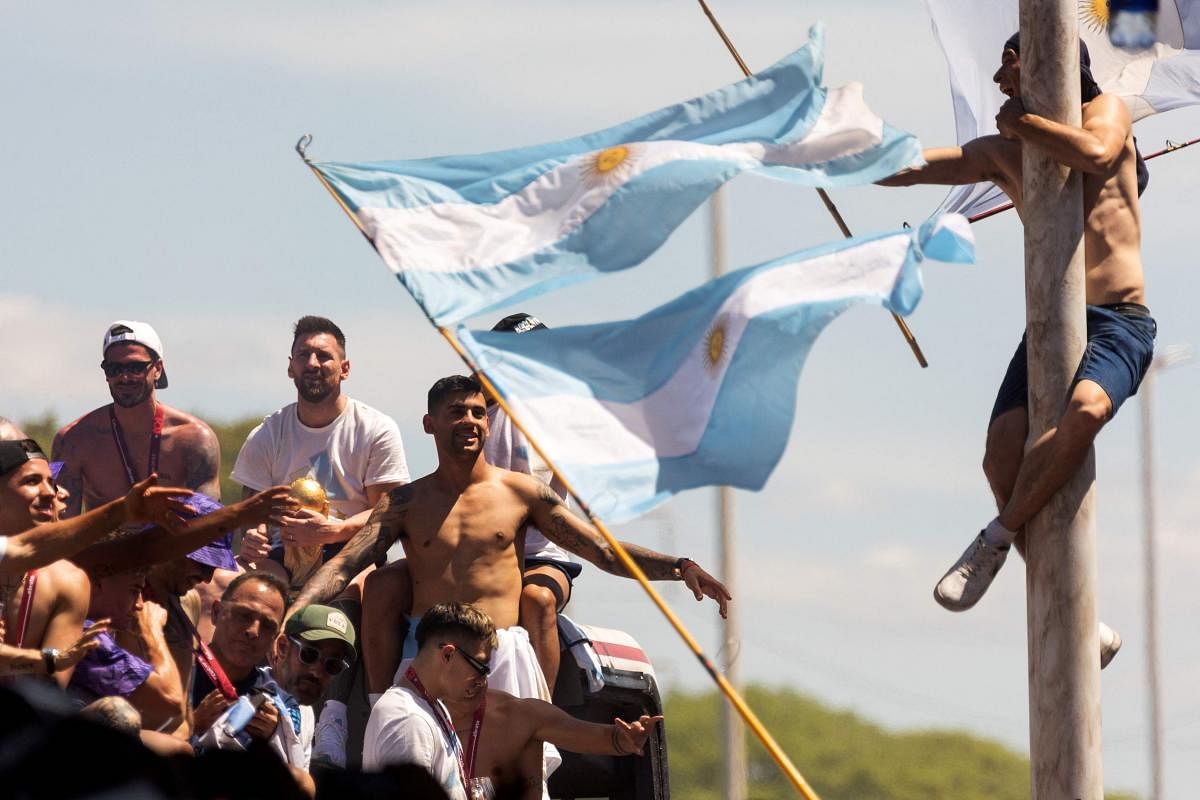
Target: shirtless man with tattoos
463, 528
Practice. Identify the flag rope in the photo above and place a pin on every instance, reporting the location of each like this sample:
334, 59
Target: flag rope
735, 699
824, 195
1170, 148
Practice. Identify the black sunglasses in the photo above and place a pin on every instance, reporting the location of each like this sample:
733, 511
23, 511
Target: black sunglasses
311, 655
113, 369
482, 668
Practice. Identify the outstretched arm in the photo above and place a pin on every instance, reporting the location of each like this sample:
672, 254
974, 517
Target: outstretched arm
155, 545
366, 547
1094, 147
553, 725
44, 544
568, 531
977, 160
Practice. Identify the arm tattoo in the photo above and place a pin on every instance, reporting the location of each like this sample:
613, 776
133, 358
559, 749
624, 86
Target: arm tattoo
202, 467
363, 549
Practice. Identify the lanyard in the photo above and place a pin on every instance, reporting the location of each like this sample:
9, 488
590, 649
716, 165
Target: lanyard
25, 609
205, 657
466, 761
123, 451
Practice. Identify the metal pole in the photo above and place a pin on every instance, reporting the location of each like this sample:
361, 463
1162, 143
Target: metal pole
1152, 685
732, 731
1064, 669
1168, 357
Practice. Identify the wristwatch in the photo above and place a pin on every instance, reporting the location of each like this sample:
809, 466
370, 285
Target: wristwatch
680, 565
50, 657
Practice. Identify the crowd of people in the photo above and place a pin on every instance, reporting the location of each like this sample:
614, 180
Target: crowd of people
266, 646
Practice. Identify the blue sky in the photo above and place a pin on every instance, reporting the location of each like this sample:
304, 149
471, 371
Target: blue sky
147, 147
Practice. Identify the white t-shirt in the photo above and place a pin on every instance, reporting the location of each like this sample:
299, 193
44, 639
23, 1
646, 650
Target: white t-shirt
403, 730
360, 448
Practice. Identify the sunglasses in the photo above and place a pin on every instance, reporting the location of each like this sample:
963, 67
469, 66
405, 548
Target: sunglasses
311, 655
113, 369
479, 666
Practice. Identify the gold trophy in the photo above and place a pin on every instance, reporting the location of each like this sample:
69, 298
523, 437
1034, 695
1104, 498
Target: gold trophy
301, 561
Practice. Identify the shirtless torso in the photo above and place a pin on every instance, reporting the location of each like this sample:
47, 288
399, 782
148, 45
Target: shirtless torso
94, 473
1102, 149
56, 613
463, 527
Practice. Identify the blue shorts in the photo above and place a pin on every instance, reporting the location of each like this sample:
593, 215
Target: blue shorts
1120, 347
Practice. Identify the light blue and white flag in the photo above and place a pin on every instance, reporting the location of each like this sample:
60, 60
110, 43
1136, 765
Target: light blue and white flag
972, 36
700, 391
466, 234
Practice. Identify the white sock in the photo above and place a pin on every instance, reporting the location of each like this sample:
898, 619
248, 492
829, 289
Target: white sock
997, 535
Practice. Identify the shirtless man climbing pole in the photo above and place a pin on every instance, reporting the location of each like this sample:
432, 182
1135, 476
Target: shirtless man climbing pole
1120, 330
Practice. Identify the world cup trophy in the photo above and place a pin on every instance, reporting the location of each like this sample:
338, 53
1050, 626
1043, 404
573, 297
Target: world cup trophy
301, 561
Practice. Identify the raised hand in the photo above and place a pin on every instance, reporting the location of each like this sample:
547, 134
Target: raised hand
702, 584
630, 737
304, 527
273, 502
85, 644
147, 502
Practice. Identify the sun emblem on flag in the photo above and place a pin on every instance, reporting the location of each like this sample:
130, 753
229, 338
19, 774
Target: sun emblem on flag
611, 164
715, 345
1094, 14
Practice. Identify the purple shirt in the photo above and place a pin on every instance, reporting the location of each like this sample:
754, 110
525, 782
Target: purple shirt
109, 670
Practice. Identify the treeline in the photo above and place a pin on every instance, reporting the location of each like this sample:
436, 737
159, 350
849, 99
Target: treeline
231, 434
841, 755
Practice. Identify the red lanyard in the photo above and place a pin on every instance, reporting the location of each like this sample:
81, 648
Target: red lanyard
123, 450
204, 655
466, 761
24, 609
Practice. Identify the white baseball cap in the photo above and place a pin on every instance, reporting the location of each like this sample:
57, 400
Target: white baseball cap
126, 330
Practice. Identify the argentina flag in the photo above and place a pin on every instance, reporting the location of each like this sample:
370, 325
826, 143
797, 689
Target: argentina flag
1160, 78
700, 391
466, 234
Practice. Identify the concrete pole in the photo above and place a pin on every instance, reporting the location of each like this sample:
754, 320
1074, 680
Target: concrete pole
1064, 668
733, 733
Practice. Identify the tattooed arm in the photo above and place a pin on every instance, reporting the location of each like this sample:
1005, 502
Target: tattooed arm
203, 461
366, 547
551, 516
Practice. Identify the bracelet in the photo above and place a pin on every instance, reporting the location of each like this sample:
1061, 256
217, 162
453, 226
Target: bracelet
49, 658
681, 566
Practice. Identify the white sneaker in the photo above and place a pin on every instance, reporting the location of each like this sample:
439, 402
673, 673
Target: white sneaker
329, 742
966, 581
1110, 643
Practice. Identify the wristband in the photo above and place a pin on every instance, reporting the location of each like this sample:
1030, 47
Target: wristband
49, 657
681, 565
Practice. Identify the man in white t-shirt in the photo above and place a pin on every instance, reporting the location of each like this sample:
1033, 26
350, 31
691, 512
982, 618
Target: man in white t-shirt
476, 741
351, 449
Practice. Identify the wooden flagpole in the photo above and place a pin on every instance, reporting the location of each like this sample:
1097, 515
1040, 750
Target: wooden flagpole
752, 722
824, 195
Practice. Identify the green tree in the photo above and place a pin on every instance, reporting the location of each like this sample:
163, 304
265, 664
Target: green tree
841, 755
231, 435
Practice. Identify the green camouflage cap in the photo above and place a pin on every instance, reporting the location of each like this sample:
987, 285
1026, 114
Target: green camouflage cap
317, 623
